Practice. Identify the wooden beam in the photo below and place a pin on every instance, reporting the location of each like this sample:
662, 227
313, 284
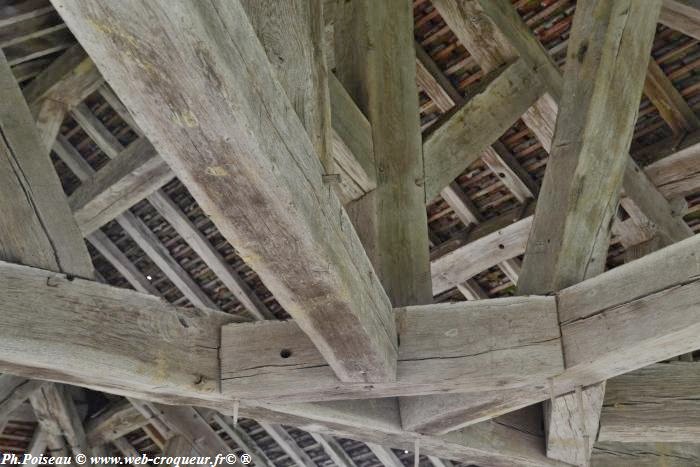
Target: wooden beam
519, 353
116, 421
595, 124
242, 440
121, 263
334, 450
645, 454
14, 390
287, 443
61, 408
671, 105
34, 228
682, 15
133, 175
68, 80
464, 135
562, 248
188, 423
384, 85
385, 455
232, 198
108, 361
653, 404
666, 277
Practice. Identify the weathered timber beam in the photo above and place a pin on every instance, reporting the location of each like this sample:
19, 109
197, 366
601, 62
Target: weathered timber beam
137, 172
53, 402
682, 15
14, 390
34, 229
334, 450
464, 135
497, 158
287, 443
262, 133
657, 403
580, 192
186, 422
671, 105
68, 80
518, 353
241, 438
385, 455
393, 217
607, 454
170, 351
117, 420
182, 342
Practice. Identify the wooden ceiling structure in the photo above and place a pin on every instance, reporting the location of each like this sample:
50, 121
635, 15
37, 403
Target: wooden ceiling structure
331, 232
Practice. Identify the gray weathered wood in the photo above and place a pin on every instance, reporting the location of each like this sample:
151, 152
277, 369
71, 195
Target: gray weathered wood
682, 15
188, 423
34, 229
464, 135
385, 455
269, 143
334, 450
671, 105
653, 404
645, 455
243, 440
14, 390
119, 419
288, 445
517, 337
134, 174
594, 131
165, 340
388, 96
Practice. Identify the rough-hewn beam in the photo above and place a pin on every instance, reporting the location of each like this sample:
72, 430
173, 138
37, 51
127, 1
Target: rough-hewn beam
384, 85
287, 443
682, 15
653, 404
464, 135
116, 421
269, 143
35, 228
188, 423
133, 175
14, 390
517, 337
671, 106
181, 343
609, 45
645, 454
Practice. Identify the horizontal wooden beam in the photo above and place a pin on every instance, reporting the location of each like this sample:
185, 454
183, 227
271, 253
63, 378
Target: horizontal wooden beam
657, 403
606, 454
134, 344
128, 342
485, 345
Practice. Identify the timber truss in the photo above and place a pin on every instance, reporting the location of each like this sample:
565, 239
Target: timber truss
306, 138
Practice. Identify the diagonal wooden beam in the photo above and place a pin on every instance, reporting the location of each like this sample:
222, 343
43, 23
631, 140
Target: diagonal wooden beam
316, 225
682, 15
287, 443
671, 106
14, 391
463, 136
